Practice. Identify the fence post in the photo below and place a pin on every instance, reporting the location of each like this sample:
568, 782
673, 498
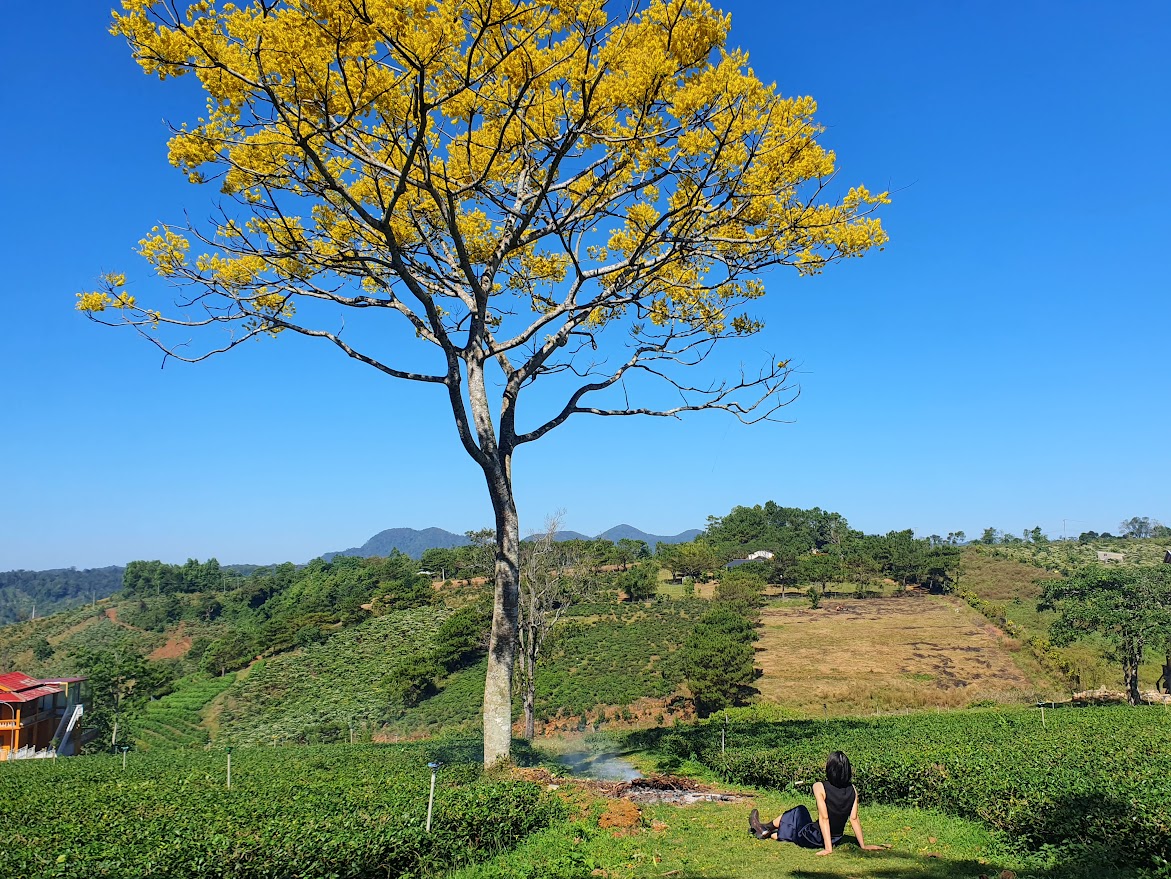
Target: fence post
434, 767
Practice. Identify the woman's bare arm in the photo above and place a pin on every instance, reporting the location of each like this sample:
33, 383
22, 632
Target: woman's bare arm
857, 825
823, 818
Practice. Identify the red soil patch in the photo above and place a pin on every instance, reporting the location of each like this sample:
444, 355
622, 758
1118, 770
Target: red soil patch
620, 814
643, 712
175, 648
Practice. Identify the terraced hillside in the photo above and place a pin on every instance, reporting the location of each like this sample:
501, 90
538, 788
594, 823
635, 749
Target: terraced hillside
318, 691
177, 719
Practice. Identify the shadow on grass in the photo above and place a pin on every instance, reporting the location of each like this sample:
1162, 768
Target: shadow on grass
900, 866
453, 751
761, 733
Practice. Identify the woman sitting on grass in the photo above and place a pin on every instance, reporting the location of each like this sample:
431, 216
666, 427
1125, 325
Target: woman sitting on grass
837, 802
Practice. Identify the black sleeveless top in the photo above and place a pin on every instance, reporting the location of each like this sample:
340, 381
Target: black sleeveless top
839, 802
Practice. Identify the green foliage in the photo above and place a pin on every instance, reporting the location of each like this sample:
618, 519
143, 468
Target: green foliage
327, 686
816, 546
48, 592
741, 591
120, 683
462, 637
1068, 556
157, 578
421, 669
628, 550
341, 812
820, 568
1129, 607
231, 651
412, 680
641, 581
694, 559
718, 658
786, 531
614, 655
1091, 782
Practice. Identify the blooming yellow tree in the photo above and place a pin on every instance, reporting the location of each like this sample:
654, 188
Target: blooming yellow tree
577, 191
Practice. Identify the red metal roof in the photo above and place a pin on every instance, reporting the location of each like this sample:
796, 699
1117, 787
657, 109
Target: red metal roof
31, 694
15, 680
16, 686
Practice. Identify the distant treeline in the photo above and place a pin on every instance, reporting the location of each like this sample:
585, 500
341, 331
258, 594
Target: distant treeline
815, 546
806, 546
23, 593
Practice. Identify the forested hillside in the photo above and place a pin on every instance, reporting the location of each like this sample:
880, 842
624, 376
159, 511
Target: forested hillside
24, 594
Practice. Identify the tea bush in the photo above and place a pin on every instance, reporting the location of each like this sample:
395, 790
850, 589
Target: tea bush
338, 812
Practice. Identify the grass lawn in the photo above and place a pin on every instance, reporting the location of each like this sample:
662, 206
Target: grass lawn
711, 840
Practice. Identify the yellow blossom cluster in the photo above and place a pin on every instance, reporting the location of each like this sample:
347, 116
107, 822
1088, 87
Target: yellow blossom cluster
459, 139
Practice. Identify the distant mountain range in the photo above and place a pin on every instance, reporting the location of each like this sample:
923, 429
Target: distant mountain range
414, 543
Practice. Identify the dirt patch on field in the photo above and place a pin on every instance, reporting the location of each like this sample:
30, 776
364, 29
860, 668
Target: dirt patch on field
884, 654
674, 789
641, 713
176, 647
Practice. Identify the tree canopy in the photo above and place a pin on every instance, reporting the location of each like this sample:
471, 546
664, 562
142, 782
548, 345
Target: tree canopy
508, 190
1130, 608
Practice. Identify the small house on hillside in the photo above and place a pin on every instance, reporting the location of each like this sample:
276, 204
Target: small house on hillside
761, 555
1116, 557
36, 714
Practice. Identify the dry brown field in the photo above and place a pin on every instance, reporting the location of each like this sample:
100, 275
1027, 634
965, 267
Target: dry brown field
860, 656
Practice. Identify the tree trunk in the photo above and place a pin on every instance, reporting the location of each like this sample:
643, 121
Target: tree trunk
502, 645
1132, 657
530, 707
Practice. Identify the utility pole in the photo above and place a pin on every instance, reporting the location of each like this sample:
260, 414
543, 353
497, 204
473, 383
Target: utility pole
1063, 521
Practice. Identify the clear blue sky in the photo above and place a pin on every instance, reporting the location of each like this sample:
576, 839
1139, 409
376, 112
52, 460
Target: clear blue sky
1003, 362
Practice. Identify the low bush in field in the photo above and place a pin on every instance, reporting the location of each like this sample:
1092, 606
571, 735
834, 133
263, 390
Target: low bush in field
308, 812
1094, 782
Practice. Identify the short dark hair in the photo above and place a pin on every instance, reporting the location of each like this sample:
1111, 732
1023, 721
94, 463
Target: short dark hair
837, 770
